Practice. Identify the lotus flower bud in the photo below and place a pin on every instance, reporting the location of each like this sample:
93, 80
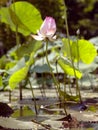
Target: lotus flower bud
47, 29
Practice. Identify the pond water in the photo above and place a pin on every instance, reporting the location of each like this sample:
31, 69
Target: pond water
50, 112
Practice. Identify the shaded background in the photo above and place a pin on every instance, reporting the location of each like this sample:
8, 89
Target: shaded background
82, 14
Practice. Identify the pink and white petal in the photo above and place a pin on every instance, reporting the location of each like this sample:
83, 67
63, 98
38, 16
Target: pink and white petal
54, 37
36, 37
39, 34
50, 32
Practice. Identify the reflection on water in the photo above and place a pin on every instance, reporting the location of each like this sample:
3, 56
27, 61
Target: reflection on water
52, 110
22, 111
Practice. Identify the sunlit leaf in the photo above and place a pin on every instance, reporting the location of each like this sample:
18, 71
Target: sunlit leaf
87, 51
17, 77
22, 16
79, 50
66, 48
68, 68
20, 74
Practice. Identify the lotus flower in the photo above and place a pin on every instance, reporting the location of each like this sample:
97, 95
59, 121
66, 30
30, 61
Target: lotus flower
47, 30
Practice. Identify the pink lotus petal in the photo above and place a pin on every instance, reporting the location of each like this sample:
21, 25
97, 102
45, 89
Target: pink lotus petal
47, 30
48, 27
37, 37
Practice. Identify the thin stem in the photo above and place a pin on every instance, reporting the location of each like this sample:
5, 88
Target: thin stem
57, 75
77, 43
55, 80
33, 96
10, 96
20, 91
68, 36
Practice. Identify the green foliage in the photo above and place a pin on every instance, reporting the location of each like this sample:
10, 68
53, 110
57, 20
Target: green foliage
20, 64
21, 69
3, 61
20, 74
26, 49
68, 68
87, 51
79, 50
21, 16
1, 82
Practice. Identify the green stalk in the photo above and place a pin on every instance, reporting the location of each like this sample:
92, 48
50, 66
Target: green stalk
17, 43
35, 105
57, 75
55, 80
68, 36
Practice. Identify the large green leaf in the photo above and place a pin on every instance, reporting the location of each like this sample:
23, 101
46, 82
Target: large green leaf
68, 68
20, 74
20, 64
79, 50
66, 48
21, 15
87, 51
17, 77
